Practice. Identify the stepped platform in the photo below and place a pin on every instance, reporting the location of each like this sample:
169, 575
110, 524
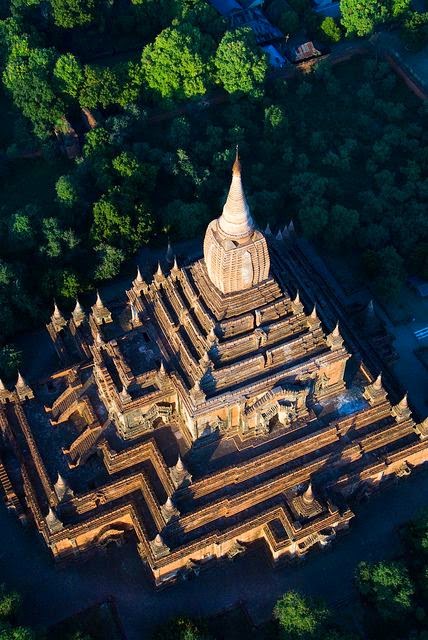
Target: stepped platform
220, 407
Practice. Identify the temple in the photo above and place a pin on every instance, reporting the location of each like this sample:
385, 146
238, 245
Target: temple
219, 406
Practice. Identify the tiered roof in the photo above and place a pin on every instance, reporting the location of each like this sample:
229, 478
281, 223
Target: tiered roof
249, 368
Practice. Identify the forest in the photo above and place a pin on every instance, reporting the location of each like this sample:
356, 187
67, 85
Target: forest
341, 150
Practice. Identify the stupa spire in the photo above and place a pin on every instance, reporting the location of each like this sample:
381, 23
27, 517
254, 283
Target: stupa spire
20, 381
78, 308
377, 384
308, 495
236, 219
236, 169
56, 312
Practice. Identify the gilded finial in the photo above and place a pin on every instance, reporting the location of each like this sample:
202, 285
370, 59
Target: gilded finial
236, 169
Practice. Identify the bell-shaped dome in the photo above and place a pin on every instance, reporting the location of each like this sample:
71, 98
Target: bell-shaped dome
236, 221
235, 252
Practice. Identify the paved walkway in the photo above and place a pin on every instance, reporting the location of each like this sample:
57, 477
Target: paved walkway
414, 63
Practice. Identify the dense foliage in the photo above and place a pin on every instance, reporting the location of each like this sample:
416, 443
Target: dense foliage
300, 618
10, 605
171, 93
360, 17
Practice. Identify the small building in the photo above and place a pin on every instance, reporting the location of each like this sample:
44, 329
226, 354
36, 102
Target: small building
304, 51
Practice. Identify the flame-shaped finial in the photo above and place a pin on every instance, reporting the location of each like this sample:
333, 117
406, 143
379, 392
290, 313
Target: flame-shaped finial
56, 311
236, 169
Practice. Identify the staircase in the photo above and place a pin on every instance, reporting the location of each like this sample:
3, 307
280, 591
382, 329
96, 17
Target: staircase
11, 498
84, 444
62, 405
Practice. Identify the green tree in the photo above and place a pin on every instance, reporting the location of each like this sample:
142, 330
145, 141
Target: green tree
69, 14
57, 239
100, 87
131, 79
6, 274
414, 30
10, 601
373, 236
388, 587
280, 13
10, 604
240, 65
21, 228
120, 222
416, 537
28, 75
185, 219
289, 22
69, 74
126, 164
155, 15
201, 15
96, 142
179, 132
360, 17
66, 191
9, 632
69, 285
385, 268
109, 223
10, 31
275, 118
330, 29
110, 261
176, 64
310, 188
313, 218
300, 618
342, 224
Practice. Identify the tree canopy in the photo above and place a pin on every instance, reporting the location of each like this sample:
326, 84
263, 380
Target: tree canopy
361, 17
241, 66
69, 14
300, 618
388, 586
176, 64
